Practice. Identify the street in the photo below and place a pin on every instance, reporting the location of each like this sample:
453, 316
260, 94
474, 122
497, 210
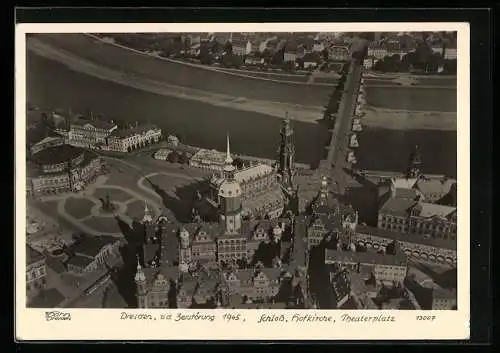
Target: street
340, 136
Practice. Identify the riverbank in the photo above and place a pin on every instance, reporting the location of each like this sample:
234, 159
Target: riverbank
271, 108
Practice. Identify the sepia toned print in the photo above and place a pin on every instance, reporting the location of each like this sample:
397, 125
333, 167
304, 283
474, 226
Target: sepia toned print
285, 171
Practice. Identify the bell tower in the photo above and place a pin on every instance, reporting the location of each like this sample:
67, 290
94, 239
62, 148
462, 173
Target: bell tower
149, 226
140, 283
230, 205
286, 153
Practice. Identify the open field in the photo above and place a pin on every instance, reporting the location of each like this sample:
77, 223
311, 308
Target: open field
114, 194
78, 207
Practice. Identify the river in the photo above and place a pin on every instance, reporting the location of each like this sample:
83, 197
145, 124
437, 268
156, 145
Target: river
51, 84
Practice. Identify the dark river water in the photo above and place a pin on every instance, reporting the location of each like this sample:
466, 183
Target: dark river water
52, 85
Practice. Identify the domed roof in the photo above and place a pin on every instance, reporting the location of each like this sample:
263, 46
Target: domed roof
230, 188
184, 233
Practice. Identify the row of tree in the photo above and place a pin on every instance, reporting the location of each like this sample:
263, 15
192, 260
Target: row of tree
176, 157
411, 62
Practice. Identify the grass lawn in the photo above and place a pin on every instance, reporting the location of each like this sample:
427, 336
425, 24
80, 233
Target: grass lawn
77, 207
136, 209
114, 194
105, 225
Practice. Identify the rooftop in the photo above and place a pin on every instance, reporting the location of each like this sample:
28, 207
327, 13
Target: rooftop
439, 186
57, 154
398, 206
429, 210
332, 255
96, 124
92, 245
33, 255
138, 130
79, 261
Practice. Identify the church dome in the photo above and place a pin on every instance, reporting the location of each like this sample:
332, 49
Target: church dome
230, 188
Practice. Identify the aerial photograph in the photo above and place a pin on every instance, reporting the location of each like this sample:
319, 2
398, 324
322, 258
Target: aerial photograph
258, 170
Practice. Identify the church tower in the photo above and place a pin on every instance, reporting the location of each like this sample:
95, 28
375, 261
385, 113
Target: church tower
230, 197
140, 283
149, 226
286, 153
415, 163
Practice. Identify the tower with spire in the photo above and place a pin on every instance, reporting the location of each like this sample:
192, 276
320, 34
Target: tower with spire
149, 226
230, 205
140, 283
414, 164
286, 153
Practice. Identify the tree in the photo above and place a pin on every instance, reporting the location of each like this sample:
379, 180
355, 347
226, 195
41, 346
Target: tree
173, 157
325, 54
228, 47
238, 163
267, 56
183, 159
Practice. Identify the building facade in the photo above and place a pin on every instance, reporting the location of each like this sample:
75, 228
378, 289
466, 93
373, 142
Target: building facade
90, 254
127, 140
415, 246
89, 133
